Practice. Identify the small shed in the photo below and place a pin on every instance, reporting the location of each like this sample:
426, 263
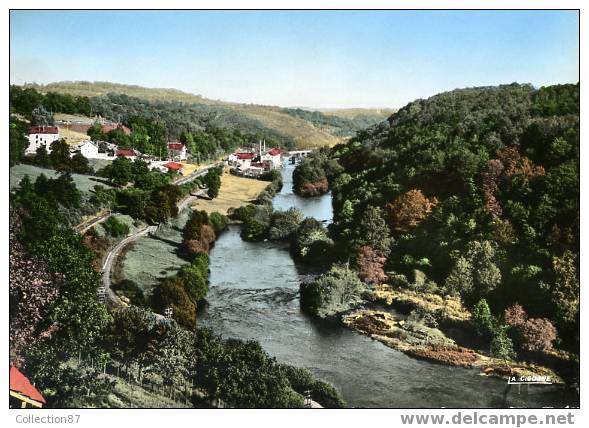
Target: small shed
22, 393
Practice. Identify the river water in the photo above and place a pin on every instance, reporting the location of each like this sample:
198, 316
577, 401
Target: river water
254, 295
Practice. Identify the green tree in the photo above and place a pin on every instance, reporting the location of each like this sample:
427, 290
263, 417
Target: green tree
60, 156
501, 344
42, 158
482, 318
335, 291
79, 164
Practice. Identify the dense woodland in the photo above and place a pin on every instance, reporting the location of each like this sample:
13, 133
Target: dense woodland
473, 192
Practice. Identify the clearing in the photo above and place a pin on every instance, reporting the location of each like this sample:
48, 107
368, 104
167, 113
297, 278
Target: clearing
235, 192
84, 183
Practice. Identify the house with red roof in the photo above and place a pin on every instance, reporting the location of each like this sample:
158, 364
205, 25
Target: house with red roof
177, 151
23, 394
41, 136
130, 154
241, 160
274, 157
173, 166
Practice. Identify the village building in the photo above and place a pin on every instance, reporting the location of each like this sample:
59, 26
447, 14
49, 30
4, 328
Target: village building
274, 157
89, 150
256, 169
106, 148
177, 151
41, 136
130, 154
241, 160
22, 393
173, 166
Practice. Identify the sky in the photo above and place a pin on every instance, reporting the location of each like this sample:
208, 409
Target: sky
317, 59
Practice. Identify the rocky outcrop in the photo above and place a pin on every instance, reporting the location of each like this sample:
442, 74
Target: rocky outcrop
430, 344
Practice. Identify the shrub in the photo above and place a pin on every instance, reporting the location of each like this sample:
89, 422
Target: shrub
501, 344
370, 263
482, 318
335, 291
515, 315
538, 334
531, 334
283, 224
132, 291
218, 221
115, 228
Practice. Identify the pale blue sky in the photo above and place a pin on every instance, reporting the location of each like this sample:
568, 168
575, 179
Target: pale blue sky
298, 58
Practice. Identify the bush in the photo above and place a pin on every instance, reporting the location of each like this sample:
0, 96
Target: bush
218, 221
115, 228
538, 335
482, 318
132, 291
335, 291
283, 224
530, 334
501, 344
370, 265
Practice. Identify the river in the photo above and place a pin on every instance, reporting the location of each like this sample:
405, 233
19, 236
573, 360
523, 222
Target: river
254, 295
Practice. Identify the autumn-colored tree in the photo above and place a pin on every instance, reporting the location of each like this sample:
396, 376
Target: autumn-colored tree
509, 162
531, 334
410, 209
370, 264
195, 246
538, 334
314, 189
515, 315
490, 185
516, 164
566, 288
207, 234
32, 288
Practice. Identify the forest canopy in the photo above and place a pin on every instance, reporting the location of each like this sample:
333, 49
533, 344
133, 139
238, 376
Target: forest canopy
479, 188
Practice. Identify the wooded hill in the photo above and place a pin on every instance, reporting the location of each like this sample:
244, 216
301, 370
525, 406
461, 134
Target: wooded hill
472, 192
289, 127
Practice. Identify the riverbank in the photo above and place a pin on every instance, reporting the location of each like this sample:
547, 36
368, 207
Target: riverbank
435, 343
431, 344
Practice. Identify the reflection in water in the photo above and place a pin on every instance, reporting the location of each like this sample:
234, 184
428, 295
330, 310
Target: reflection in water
254, 295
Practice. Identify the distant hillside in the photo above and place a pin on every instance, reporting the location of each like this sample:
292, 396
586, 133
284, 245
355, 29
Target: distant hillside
292, 127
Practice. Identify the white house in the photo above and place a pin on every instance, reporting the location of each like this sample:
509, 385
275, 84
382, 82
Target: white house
274, 157
41, 136
176, 151
90, 150
241, 160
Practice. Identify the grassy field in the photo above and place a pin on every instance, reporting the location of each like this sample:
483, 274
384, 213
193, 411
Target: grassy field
72, 137
84, 183
235, 192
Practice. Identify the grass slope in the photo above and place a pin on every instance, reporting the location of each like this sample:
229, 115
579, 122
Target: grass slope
272, 120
